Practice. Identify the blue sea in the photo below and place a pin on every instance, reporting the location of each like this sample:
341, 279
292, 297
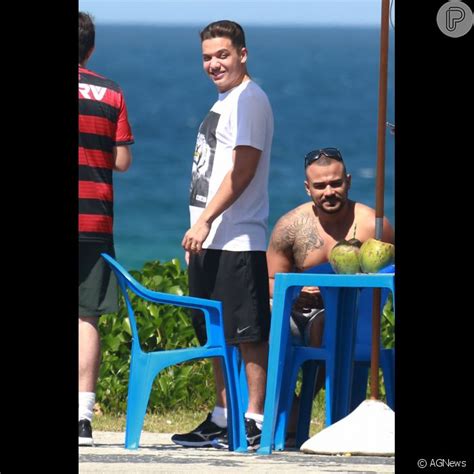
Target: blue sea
322, 83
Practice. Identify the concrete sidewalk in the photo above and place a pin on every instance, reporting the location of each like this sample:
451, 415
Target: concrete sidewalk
158, 454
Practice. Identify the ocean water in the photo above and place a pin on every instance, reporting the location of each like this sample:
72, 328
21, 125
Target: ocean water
323, 87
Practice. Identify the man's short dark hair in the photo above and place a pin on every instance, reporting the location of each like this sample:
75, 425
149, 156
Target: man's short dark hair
225, 29
86, 35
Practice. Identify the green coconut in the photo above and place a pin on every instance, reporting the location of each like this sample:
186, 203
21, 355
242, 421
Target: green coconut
375, 255
344, 256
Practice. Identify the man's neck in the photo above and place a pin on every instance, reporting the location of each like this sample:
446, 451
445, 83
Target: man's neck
245, 78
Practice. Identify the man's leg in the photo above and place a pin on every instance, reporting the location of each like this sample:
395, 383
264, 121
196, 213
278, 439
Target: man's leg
219, 413
213, 430
89, 353
243, 289
219, 383
255, 356
202, 269
89, 362
98, 294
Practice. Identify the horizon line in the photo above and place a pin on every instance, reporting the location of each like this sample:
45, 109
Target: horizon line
251, 23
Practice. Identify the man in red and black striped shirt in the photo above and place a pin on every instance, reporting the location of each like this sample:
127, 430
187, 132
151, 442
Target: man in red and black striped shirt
104, 139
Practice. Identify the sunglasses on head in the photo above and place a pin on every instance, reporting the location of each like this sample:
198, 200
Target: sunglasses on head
314, 155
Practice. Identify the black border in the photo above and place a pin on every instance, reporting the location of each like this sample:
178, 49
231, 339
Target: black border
40, 394
433, 194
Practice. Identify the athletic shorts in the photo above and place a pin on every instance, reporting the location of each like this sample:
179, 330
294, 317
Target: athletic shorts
240, 281
98, 288
300, 325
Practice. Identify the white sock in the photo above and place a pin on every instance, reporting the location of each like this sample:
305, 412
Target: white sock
219, 416
257, 417
86, 405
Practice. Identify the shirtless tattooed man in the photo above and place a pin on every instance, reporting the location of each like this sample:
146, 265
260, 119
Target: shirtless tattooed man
304, 237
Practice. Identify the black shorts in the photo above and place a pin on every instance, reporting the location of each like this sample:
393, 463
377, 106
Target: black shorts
98, 288
240, 281
300, 324
303, 317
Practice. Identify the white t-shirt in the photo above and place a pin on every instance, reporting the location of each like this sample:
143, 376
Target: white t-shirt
241, 116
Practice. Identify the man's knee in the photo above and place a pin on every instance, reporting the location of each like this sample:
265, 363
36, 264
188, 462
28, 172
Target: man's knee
260, 347
92, 320
88, 328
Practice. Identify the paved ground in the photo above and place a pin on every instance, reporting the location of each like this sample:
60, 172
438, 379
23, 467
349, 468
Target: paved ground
158, 454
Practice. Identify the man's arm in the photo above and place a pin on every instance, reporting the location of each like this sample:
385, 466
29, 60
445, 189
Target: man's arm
245, 159
122, 156
280, 250
283, 251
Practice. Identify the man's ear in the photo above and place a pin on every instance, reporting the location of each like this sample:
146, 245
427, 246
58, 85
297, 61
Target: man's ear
349, 181
306, 186
89, 54
243, 55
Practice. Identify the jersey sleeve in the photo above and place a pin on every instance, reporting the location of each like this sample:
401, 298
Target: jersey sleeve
123, 135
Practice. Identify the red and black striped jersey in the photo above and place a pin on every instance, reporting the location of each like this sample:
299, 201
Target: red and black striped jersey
103, 124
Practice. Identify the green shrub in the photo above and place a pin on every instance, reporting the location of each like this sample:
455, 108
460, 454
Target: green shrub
188, 385
387, 329
387, 333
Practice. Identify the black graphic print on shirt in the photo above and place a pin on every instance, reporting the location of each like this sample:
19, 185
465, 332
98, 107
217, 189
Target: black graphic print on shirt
203, 160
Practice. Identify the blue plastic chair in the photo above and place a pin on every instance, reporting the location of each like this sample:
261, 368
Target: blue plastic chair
145, 366
340, 295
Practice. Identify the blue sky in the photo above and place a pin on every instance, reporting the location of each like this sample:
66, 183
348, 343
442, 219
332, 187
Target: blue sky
262, 12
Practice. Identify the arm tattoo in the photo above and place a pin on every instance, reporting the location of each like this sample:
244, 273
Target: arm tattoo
307, 238
298, 236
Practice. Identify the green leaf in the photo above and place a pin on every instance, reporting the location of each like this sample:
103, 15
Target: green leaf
153, 309
126, 326
175, 290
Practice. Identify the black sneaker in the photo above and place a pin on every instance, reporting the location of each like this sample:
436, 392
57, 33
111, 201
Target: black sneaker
201, 437
221, 442
253, 433
85, 433
253, 436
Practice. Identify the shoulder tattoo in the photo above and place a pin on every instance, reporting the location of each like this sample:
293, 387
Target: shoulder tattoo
297, 234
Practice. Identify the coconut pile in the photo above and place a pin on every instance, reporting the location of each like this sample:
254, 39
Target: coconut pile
353, 256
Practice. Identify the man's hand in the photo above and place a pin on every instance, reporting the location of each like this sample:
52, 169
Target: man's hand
245, 162
195, 237
309, 298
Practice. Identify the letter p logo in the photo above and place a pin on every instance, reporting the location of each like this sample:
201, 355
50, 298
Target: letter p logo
454, 18
454, 15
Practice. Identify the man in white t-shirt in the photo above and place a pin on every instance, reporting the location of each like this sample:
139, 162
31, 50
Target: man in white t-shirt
225, 246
